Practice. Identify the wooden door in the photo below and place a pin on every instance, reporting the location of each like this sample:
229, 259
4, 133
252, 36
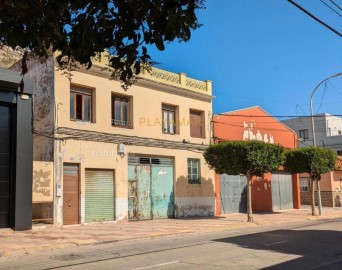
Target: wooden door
70, 194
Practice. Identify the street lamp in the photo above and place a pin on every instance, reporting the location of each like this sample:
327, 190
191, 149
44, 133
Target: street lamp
314, 136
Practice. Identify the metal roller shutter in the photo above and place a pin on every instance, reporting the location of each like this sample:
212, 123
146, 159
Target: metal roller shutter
99, 195
5, 165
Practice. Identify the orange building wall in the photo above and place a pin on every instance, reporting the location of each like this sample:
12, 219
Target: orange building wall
255, 123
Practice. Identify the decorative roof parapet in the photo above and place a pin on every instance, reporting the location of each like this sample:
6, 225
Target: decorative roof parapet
166, 77
178, 80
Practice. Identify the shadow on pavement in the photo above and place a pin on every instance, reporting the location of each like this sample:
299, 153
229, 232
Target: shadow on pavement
316, 247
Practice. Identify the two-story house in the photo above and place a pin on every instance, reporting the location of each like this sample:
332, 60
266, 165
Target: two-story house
328, 131
105, 154
328, 134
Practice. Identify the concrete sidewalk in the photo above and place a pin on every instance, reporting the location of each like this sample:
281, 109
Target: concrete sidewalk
47, 237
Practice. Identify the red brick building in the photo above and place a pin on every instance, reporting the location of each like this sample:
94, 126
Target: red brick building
273, 191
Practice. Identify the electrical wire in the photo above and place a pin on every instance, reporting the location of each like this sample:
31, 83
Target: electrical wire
315, 18
331, 8
320, 105
336, 5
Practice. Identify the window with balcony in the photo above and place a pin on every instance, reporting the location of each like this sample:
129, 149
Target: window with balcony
304, 134
194, 172
121, 111
196, 124
169, 119
81, 104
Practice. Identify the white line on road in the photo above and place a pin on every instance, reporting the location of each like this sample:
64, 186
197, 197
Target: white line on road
156, 265
275, 243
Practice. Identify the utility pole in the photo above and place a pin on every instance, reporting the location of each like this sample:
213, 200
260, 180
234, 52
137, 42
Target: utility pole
314, 136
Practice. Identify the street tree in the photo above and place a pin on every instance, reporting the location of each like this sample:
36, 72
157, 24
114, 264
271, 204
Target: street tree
249, 158
312, 160
81, 29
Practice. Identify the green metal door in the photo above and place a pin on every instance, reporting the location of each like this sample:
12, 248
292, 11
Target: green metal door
99, 195
162, 190
150, 188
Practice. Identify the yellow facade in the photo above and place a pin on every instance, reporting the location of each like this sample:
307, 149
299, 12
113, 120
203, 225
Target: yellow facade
94, 144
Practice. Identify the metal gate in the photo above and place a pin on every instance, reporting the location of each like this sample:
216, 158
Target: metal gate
233, 193
282, 196
99, 195
5, 165
70, 194
150, 188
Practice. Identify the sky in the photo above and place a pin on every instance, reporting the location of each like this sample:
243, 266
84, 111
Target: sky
263, 52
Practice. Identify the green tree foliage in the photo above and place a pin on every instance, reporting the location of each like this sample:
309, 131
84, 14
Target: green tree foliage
312, 160
250, 158
80, 29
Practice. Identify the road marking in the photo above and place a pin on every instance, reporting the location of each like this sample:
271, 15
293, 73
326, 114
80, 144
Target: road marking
275, 243
156, 265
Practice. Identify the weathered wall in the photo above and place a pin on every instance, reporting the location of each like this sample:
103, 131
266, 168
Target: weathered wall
43, 107
262, 193
42, 181
8, 56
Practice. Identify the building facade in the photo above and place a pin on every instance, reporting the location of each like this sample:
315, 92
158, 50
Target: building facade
328, 131
274, 191
15, 151
330, 184
105, 154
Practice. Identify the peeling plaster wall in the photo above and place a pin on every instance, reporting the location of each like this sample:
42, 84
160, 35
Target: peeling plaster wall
43, 106
42, 185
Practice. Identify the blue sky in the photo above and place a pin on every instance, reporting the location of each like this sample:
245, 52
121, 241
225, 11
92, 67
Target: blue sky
263, 52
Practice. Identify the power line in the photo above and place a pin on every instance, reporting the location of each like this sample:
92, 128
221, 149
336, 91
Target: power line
336, 4
314, 17
325, 89
331, 8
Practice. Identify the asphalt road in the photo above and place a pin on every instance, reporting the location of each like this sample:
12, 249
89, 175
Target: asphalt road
307, 245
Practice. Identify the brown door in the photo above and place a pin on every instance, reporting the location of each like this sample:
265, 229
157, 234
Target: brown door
70, 194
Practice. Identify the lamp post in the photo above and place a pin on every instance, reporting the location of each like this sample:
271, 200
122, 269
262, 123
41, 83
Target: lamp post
314, 136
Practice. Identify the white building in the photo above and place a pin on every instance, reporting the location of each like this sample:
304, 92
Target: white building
328, 131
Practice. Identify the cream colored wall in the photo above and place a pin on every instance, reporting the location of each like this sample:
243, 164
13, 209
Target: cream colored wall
97, 155
190, 199
336, 181
147, 103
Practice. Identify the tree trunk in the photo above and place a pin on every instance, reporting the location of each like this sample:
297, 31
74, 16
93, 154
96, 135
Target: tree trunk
249, 198
313, 203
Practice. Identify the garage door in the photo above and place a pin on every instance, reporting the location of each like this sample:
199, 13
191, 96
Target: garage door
5, 165
282, 196
150, 188
99, 195
233, 193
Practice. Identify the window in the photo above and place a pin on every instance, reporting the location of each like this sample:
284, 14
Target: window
304, 184
80, 104
194, 174
169, 119
196, 124
120, 111
304, 134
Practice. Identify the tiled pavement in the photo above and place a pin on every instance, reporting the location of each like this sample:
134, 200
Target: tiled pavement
48, 237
